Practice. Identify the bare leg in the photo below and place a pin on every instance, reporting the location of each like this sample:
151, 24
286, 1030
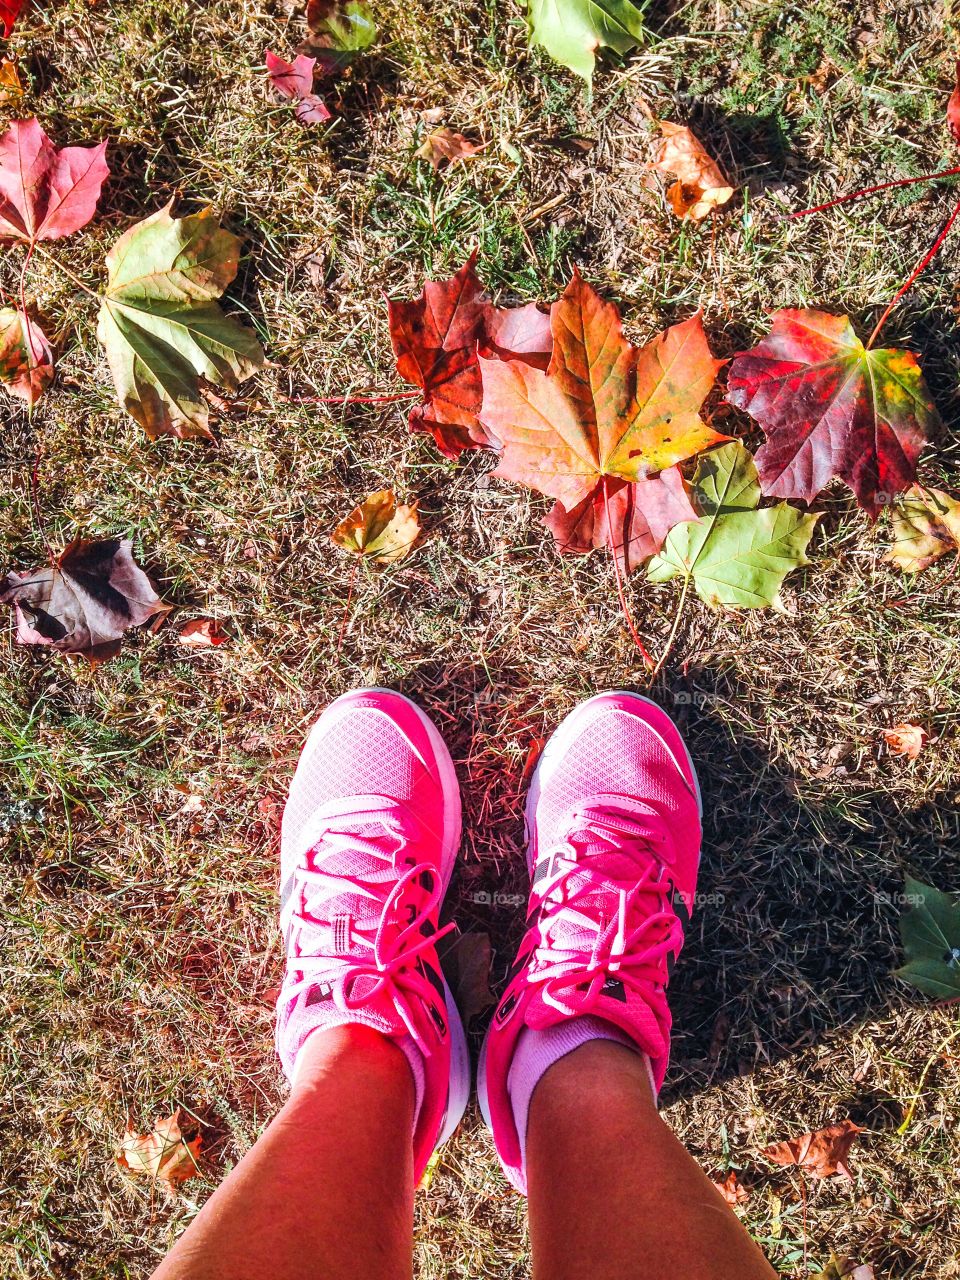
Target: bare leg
327, 1192
613, 1193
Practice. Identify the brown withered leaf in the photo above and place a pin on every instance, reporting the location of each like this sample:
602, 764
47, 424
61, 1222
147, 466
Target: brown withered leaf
446, 145
85, 601
821, 1153
926, 526
845, 1269
379, 527
11, 86
201, 632
905, 739
162, 1154
732, 1189
700, 187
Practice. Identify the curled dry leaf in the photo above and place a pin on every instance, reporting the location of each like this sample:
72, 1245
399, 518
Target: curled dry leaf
700, 187
445, 144
163, 1154
202, 632
380, 528
11, 86
85, 601
821, 1153
732, 1189
46, 194
26, 358
832, 407
161, 326
436, 338
905, 739
926, 526
294, 80
845, 1269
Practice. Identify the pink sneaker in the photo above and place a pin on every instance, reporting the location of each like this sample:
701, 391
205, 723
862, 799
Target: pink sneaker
370, 835
613, 829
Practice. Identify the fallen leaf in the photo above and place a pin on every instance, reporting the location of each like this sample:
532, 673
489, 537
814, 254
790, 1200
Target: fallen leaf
162, 1154
9, 12
339, 32
294, 80
161, 326
700, 187
10, 84
436, 337
905, 740
830, 407
46, 194
926, 526
732, 1190
201, 632
380, 528
737, 554
444, 144
26, 359
571, 31
930, 932
86, 601
602, 416
639, 516
953, 109
473, 955
821, 1153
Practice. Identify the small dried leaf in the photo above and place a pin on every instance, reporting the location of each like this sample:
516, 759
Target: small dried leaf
85, 601
926, 526
700, 187
845, 1269
444, 144
201, 632
26, 358
380, 528
905, 739
821, 1153
732, 1190
11, 86
162, 1154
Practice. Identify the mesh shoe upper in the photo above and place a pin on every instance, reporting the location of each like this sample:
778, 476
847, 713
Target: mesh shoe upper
614, 838
369, 835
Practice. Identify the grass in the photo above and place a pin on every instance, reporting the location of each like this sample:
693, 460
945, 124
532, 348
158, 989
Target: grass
140, 939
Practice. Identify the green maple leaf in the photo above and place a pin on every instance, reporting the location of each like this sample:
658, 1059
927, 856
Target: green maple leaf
572, 30
161, 326
736, 554
931, 941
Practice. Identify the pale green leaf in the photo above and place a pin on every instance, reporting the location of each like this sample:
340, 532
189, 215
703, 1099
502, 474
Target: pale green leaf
931, 941
736, 554
572, 30
162, 327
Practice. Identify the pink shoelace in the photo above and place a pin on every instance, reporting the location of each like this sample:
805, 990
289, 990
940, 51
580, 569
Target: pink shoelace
598, 925
337, 947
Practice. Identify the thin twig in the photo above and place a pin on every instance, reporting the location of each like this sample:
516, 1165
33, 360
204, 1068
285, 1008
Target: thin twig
346, 607
396, 395
647, 660
44, 253
869, 191
921, 265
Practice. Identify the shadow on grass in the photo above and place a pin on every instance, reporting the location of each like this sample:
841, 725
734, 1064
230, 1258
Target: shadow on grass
795, 933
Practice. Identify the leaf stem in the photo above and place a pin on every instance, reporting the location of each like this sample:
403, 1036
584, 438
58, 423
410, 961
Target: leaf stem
869, 191
44, 253
396, 395
907, 1119
921, 265
676, 623
647, 660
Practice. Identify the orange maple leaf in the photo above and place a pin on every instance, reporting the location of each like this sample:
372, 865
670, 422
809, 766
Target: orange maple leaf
821, 1153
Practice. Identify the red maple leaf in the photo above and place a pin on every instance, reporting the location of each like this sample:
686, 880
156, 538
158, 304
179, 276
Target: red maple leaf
436, 338
832, 407
46, 194
294, 80
821, 1153
595, 428
9, 13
